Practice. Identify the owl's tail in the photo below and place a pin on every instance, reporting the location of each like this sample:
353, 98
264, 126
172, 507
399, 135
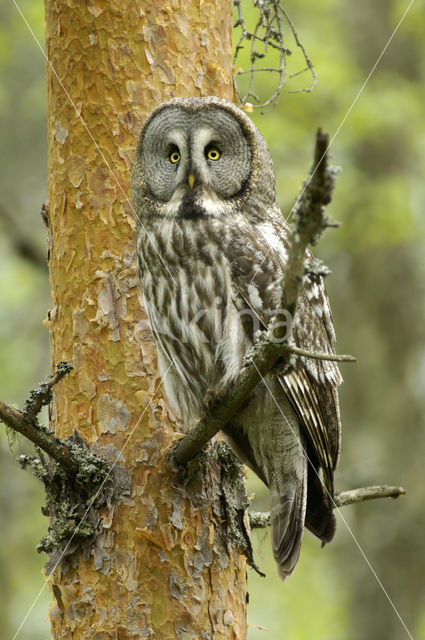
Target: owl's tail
288, 499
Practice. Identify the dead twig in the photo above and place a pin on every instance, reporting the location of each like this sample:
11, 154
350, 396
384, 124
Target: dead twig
261, 519
267, 41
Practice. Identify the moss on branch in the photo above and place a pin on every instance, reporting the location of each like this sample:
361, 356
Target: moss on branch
78, 482
26, 422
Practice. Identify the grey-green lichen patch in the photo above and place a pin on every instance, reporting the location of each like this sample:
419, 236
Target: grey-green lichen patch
42, 395
192, 472
73, 502
235, 501
259, 519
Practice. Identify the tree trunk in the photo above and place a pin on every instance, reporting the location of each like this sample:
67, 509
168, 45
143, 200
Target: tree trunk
161, 566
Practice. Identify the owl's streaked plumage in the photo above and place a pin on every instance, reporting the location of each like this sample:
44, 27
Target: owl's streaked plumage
212, 247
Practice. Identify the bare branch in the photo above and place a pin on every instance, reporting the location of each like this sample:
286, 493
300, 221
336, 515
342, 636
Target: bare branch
266, 41
307, 223
367, 493
261, 519
40, 436
305, 54
332, 357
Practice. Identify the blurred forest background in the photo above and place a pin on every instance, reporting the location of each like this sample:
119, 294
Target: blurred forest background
377, 293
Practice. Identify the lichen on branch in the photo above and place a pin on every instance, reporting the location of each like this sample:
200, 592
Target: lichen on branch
26, 422
77, 481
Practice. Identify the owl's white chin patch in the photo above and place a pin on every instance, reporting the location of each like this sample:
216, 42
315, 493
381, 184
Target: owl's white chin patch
212, 205
202, 200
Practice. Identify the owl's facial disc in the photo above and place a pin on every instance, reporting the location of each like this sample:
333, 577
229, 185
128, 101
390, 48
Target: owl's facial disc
196, 162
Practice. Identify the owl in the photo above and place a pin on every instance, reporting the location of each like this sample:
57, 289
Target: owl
212, 247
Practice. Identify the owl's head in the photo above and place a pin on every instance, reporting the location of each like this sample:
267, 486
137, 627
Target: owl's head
200, 157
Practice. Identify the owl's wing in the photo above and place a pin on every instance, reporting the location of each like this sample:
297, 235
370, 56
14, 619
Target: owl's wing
258, 268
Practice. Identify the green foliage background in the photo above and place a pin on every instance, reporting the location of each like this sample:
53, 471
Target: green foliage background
377, 295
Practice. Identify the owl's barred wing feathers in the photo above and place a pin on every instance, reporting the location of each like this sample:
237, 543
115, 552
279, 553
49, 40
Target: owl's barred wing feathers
258, 269
304, 398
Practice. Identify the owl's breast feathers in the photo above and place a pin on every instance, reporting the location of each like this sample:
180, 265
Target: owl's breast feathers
190, 301
208, 284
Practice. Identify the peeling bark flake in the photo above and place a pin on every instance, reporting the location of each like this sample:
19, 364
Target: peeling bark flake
112, 415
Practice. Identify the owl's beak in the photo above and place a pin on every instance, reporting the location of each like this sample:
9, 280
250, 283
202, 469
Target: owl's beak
191, 180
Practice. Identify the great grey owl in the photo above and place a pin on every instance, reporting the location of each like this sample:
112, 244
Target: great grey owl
212, 247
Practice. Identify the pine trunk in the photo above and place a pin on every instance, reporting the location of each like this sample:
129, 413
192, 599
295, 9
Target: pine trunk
161, 566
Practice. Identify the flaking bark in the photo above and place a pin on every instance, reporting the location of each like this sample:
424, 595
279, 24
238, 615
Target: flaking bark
161, 565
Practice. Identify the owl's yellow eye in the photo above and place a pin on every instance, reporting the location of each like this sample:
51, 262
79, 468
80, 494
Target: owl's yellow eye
174, 157
213, 153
